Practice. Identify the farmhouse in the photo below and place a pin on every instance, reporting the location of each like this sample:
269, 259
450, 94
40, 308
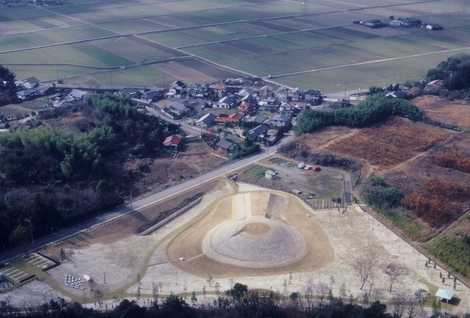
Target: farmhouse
257, 133
227, 102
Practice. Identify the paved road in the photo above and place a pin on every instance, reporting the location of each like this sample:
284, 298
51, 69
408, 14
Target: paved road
144, 202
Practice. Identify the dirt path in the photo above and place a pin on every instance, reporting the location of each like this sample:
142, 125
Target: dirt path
337, 139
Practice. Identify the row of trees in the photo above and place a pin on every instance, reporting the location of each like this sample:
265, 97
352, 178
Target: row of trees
50, 178
375, 109
249, 305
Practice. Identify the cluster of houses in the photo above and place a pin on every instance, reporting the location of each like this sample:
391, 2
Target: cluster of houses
29, 88
235, 110
232, 111
58, 102
404, 22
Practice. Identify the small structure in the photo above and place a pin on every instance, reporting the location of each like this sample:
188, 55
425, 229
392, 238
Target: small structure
270, 174
225, 145
227, 102
257, 133
77, 94
433, 27
405, 22
29, 83
444, 295
27, 94
226, 119
173, 141
374, 23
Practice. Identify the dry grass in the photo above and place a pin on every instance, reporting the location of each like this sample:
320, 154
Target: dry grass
391, 143
442, 110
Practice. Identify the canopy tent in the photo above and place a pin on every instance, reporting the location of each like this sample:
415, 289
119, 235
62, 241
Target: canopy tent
444, 294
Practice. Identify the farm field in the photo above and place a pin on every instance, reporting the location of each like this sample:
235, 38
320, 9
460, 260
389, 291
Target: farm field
309, 45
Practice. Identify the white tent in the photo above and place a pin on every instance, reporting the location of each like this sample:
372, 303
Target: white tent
444, 294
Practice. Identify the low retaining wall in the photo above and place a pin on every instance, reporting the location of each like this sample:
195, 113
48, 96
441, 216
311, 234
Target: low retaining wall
171, 217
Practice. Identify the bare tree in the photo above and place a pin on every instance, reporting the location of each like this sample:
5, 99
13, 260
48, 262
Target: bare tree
364, 266
393, 271
399, 305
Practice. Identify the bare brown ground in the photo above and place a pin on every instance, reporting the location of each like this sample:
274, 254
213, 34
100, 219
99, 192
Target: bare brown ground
256, 228
391, 143
187, 244
442, 110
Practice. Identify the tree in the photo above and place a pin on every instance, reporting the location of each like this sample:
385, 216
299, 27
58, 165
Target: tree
7, 86
393, 271
364, 266
455, 72
238, 291
20, 235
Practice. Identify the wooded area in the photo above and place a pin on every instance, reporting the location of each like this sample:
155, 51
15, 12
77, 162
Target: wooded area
50, 178
375, 109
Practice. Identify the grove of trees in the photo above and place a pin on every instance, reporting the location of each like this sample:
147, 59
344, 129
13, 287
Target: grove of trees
50, 178
7, 86
455, 72
375, 109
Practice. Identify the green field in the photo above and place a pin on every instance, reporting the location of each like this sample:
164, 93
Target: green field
313, 44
